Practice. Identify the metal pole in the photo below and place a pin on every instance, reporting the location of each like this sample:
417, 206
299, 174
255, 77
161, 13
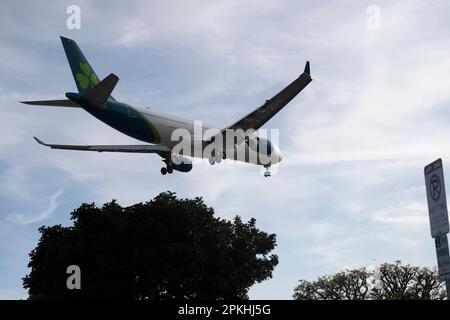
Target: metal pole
447, 287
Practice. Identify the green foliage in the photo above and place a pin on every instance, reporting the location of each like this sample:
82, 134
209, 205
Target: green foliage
387, 282
167, 248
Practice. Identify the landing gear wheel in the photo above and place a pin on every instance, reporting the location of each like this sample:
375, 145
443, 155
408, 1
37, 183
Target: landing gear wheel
267, 172
169, 170
212, 160
163, 171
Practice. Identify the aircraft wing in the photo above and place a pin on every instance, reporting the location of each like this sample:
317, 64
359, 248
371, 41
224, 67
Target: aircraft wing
260, 116
163, 151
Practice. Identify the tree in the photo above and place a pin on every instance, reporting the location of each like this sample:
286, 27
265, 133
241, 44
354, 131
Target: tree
167, 248
388, 281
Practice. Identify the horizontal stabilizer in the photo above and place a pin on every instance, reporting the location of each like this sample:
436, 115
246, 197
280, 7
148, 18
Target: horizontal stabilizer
99, 94
53, 103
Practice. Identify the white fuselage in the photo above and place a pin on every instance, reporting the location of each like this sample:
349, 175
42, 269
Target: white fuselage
171, 128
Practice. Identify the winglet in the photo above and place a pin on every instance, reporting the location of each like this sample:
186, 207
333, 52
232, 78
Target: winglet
40, 141
307, 68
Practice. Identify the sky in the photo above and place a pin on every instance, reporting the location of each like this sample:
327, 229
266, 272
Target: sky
350, 189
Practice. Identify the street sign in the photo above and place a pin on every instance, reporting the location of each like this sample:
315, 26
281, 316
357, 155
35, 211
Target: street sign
437, 202
443, 257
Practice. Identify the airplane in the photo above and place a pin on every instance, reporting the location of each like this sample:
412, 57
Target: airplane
156, 128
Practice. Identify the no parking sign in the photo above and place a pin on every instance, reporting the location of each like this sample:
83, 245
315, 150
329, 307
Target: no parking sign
437, 210
437, 202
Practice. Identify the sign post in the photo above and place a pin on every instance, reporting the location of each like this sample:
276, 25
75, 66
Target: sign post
437, 210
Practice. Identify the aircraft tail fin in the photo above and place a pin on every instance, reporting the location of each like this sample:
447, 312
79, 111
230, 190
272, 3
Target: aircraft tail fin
83, 74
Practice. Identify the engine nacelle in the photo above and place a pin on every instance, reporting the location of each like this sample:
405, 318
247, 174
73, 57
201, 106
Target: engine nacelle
181, 163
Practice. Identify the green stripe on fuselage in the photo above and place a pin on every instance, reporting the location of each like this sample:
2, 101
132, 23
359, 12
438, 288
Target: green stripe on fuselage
155, 133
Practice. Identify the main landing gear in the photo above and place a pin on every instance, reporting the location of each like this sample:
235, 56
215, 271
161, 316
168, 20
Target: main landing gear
167, 169
267, 172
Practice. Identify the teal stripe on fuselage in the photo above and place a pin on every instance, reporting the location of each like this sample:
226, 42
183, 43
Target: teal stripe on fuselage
125, 119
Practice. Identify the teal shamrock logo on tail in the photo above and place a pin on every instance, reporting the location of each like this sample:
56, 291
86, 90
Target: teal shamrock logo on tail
86, 78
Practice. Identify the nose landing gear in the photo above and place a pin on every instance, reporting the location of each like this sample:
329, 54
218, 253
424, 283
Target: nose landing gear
267, 172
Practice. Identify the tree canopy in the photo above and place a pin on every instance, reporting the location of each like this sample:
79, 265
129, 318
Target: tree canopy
166, 248
387, 281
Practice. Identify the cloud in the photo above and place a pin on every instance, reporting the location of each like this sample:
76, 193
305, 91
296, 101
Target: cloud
135, 33
20, 218
405, 214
